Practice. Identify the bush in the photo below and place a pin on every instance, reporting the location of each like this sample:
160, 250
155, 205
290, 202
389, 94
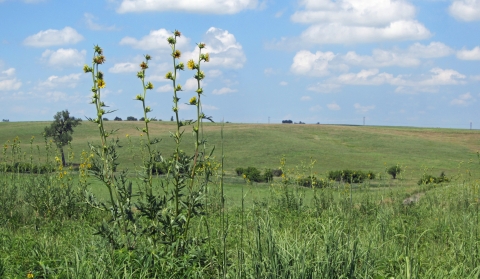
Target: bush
307, 181
348, 176
253, 174
268, 175
240, 171
131, 118
277, 172
20, 167
428, 178
393, 171
117, 118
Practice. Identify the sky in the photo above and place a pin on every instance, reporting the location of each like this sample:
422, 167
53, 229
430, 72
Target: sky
378, 62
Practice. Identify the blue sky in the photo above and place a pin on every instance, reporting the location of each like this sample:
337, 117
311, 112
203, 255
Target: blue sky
392, 62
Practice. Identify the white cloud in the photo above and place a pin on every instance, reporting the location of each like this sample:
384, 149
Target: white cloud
433, 50
333, 106
191, 85
316, 108
224, 49
10, 84
465, 10
9, 72
354, 12
335, 33
363, 109
205, 6
126, 67
155, 40
443, 77
55, 96
214, 73
52, 37
91, 24
64, 57
305, 98
473, 54
209, 107
369, 77
283, 83
358, 21
314, 64
69, 81
223, 90
463, 100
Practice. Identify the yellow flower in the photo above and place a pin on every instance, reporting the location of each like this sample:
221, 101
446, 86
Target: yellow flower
30, 275
193, 100
191, 64
101, 83
206, 57
149, 85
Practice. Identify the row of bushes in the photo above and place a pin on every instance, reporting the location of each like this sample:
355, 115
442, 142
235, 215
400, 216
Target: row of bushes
427, 179
253, 174
20, 167
350, 176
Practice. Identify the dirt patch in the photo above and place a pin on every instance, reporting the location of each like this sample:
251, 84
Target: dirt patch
413, 199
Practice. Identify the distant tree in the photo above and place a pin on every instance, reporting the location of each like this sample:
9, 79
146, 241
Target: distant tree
131, 118
61, 130
393, 171
117, 118
171, 119
141, 119
105, 119
287, 121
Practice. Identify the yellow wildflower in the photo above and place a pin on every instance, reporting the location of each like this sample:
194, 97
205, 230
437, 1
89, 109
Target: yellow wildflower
191, 64
101, 83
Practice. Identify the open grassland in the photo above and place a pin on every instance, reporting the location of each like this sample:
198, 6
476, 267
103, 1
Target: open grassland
366, 148
52, 227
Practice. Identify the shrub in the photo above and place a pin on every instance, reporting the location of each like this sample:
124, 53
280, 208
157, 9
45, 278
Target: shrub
131, 118
117, 118
277, 172
307, 181
393, 171
428, 178
240, 171
348, 176
268, 175
253, 174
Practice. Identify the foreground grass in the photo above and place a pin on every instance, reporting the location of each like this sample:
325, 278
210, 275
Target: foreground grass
272, 232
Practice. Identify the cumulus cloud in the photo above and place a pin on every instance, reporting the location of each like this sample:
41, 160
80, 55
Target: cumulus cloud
463, 100
8, 81
353, 21
223, 90
10, 84
126, 67
223, 48
369, 77
465, 54
191, 84
64, 57
363, 109
68, 81
313, 64
465, 10
155, 40
443, 77
205, 6
52, 37
333, 106
90, 21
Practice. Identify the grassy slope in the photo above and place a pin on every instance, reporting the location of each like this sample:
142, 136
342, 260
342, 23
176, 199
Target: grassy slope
261, 145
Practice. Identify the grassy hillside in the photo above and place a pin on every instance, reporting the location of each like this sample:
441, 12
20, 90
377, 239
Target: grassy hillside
260, 145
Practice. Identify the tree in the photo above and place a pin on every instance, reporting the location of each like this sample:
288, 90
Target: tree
61, 130
393, 171
117, 118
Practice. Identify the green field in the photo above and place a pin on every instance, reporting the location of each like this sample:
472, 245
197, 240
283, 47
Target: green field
261, 145
382, 228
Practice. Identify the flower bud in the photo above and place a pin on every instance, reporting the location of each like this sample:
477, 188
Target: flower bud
171, 40
178, 88
143, 65
175, 109
180, 66
148, 109
149, 85
140, 74
169, 76
147, 57
177, 33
